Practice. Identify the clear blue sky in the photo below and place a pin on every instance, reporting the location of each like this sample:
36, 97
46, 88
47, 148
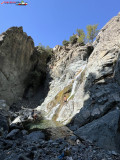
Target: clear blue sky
51, 21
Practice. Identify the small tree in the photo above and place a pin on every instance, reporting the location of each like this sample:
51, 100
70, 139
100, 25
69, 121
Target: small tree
73, 39
81, 35
92, 32
65, 43
45, 50
80, 32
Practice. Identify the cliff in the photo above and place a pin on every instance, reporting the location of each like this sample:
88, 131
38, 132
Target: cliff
83, 83
91, 83
18, 60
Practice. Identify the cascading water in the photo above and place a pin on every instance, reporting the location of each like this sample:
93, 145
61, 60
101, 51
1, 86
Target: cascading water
62, 112
77, 78
53, 111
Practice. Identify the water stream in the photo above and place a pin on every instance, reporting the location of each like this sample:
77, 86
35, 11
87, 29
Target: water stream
76, 80
52, 112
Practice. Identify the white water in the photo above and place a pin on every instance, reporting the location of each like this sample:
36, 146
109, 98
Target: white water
77, 78
52, 112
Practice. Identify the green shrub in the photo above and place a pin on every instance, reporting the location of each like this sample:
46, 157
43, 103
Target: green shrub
45, 50
65, 43
81, 40
81, 35
73, 39
92, 32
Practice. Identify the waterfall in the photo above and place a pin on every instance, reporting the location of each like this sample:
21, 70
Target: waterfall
52, 112
77, 78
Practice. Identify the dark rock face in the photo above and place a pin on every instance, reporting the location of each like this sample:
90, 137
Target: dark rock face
103, 131
22, 66
16, 49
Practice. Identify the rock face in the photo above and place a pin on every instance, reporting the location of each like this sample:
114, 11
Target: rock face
99, 91
90, 82
16, 49
84, 90
22, 66
103, 131
65, 72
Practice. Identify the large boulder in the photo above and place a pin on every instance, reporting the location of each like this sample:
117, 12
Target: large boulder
103, 132
16, 49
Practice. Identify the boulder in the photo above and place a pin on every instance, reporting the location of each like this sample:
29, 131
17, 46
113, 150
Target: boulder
103, 132
14, 134
35, 136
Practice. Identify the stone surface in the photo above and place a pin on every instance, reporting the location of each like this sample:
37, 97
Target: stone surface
99, 90
65, 71
103, 132
22, 67
91, 82
3, 105
14, 134
5, 118
4, 125
22, 149
89, 79
35, 136
16, 49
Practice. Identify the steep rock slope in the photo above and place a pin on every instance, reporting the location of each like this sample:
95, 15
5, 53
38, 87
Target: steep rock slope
65, 73
16, 49
92, 88
100, 90
22, 65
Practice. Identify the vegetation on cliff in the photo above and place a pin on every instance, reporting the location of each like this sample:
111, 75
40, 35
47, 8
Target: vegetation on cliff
81, 37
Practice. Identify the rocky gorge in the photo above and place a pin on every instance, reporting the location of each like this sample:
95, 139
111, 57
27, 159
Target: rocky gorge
75, 93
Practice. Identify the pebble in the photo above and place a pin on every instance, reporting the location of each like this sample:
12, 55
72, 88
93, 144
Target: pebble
23, 149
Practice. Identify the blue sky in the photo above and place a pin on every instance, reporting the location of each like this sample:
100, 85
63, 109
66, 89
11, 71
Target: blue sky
51, 21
